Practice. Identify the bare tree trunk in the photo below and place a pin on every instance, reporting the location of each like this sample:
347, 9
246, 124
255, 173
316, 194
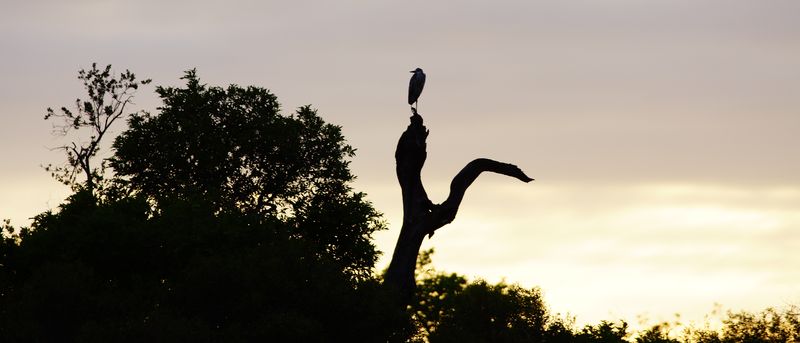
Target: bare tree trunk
420, 216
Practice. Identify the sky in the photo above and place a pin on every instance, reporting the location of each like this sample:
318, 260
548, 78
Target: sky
663, 135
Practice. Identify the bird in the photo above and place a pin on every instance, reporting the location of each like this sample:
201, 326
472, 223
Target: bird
415, 86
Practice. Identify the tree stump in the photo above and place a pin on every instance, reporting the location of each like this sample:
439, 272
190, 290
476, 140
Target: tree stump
421, 216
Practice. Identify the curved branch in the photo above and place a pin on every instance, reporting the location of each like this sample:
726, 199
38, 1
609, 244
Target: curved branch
420, 216
445, 212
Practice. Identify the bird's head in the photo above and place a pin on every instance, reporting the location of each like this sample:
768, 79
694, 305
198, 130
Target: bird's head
418, 70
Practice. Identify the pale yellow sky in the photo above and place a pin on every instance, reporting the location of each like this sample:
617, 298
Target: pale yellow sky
663, 135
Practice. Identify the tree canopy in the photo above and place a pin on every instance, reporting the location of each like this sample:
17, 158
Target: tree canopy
116, 271
227, 221
233, 148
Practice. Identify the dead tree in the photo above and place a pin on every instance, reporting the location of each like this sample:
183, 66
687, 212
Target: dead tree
421, 216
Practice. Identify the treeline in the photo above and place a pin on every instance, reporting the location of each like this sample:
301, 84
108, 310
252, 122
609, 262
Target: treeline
449, 308
221, 219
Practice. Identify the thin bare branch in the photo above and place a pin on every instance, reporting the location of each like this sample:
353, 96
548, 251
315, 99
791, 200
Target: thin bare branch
108, 98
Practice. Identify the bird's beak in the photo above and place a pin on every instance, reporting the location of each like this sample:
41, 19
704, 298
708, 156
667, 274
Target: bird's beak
410, 71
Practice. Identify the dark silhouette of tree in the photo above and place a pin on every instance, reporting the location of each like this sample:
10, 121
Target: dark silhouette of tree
768, 326
448, 308
117, 271
606, 332
230, 222
658, 333
233, 148
421, 216
108, 98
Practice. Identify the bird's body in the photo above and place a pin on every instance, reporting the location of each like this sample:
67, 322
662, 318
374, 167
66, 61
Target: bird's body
415, 85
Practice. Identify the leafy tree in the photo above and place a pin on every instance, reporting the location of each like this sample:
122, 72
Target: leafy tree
232, 147
605, 332
435, 294
115, 270
448, 308
108, 98
656, 334
770, 325
233, 223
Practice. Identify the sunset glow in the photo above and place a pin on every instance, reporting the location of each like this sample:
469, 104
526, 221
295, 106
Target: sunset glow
663, 135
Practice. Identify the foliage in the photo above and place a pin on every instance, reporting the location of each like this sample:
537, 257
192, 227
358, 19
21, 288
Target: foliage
108, 98
227, 222
116, 271
606, 332
658, 333
451, 309
770, 325
233, 148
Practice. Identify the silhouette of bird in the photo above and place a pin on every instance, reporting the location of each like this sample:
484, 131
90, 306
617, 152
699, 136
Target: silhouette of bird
415, 86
